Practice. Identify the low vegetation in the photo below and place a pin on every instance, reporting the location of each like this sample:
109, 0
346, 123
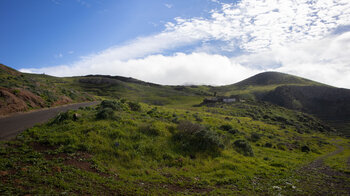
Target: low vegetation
114, 148
148, 139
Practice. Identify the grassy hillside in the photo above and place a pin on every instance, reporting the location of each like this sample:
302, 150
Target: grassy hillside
121, 87
328, 103
149, 139
122, 147
325, 102
258, 85
22, 92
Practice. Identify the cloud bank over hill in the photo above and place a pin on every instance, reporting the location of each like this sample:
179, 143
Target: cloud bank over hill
305, 38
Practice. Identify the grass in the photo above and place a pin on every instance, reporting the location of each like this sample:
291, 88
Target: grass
147, 139
135, 153
341, 161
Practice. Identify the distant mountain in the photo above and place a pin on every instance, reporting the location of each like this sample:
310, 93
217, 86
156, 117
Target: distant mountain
257, 86
274, 78
328, 103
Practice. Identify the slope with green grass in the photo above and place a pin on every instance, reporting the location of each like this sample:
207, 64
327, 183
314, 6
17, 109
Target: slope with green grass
149, 139
23, 92
128, 148
258, 85
328, 103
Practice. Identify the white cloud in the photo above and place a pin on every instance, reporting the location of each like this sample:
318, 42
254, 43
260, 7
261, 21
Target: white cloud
325, 60
180, 68
289, 36
168, 5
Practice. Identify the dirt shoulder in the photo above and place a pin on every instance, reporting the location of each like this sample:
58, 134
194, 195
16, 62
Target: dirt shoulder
10, 126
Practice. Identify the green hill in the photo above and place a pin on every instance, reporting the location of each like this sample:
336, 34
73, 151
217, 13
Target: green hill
150, 139
326, 102
256, 86
23, 92
274, 78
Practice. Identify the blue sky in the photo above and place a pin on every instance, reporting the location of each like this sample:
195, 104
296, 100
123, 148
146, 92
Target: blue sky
178, 42
50, 32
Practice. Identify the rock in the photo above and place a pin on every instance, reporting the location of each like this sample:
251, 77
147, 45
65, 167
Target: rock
76, 116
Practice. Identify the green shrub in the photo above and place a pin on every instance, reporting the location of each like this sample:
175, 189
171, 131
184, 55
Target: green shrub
305, 149
281, 146
197, 117
108, 104
229, 128
134, 106
62, 116
243, 147
254, 137
268, 145
154, 113
193, 138
105, 113
150, 130
113, 104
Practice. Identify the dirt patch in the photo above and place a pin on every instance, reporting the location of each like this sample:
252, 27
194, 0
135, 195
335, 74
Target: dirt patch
18, 100
80, 160
42, 148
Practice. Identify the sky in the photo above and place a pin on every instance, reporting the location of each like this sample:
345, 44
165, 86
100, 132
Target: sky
215, 42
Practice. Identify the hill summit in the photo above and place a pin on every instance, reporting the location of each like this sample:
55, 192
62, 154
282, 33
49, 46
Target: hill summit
274, 78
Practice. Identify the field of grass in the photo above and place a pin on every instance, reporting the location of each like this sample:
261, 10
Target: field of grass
341, 161
129, 148
149, 139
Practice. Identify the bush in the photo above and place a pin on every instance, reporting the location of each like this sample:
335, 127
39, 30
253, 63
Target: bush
105, 113
134, 106
62, 116
114, 105
228, 128
243, 147
305, 149
197, 117
150, 130
254, 137
268, 145
281, 146
108, 104
193, 138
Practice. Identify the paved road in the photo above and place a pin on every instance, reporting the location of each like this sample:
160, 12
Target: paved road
12, 125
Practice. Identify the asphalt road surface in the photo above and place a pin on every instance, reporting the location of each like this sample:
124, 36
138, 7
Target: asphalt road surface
12, 125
